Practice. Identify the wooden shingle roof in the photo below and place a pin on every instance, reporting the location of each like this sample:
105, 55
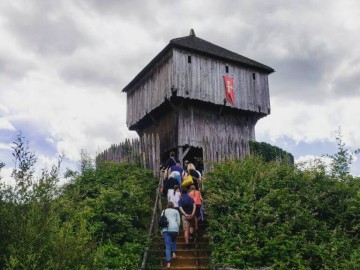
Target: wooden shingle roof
201, 46
204, 47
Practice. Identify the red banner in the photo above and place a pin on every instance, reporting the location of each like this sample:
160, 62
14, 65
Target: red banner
229, 90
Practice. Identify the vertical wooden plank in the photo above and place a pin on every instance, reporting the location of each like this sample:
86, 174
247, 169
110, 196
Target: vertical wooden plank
157, 154
153, 150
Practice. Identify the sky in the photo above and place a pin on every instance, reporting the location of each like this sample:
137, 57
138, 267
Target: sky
63, 65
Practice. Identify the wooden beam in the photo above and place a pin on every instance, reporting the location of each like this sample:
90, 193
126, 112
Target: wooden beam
180, 154
185, 152
153, 119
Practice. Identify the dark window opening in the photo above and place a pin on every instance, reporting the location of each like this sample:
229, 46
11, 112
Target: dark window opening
227, 69
195, 156
189, 59
254, 76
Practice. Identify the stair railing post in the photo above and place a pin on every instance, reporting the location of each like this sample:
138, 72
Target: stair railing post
153, 223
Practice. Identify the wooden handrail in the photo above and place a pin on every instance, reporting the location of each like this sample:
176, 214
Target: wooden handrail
153, 219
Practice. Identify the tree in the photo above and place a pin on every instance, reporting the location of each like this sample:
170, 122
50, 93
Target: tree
341, 161
2, 165
38, 229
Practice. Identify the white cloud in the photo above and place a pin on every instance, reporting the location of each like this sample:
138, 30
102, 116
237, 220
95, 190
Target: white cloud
5, 176
5, 124
63, 64
4, 146
311, 123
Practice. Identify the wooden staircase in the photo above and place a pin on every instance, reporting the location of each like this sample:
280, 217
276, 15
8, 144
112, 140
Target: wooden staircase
197, 257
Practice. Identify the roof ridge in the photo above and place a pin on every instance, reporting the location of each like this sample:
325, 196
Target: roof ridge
181, 38
217, 50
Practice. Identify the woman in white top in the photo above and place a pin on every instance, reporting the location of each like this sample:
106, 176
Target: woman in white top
174, 196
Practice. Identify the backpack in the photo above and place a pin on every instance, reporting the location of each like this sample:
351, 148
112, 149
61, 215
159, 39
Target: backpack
187, 182
163, 222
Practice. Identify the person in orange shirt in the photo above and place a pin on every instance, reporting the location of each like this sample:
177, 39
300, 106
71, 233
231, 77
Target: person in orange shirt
196, 196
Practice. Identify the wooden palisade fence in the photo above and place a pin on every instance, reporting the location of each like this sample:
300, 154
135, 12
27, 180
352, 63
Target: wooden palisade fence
144, 151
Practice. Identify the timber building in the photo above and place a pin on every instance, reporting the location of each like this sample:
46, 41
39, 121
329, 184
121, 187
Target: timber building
203, 101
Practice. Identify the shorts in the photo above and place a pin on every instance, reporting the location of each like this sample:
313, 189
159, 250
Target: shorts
197, 211
188, 223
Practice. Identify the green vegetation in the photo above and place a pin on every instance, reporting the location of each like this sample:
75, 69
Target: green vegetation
341, 161
98, 220
269, 152
278, 215
261, 213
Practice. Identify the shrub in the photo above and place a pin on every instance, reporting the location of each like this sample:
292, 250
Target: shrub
269, 152
273, 214
98, 220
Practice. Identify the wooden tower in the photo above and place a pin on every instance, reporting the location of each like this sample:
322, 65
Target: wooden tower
202, 100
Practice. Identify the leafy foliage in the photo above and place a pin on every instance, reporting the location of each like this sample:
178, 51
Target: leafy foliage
115, 199
32, 235
269, 152
273, 214
341, 161
98, 220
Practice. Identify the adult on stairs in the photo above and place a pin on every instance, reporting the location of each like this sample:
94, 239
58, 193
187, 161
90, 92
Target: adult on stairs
171, 232
187, 208
196, 196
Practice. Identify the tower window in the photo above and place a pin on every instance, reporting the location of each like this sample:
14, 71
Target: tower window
189, 59
227, 69
254, 76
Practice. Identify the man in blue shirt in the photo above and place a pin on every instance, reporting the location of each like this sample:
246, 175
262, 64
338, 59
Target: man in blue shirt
169, 163
187, 209
178, 172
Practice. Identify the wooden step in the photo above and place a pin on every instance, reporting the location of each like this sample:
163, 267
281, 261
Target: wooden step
186, 267
186, 260
197, 257
182, 253
181, 239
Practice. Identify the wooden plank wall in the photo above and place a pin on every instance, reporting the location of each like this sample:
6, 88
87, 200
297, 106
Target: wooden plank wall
221, 137
166, 128
202, 79
150, 92
220, 149
198, 123
144, 151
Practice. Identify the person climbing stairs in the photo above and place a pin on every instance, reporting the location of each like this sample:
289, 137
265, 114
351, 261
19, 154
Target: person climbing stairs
196, 256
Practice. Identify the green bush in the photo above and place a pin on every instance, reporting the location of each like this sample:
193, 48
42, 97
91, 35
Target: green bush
269, 152
33, 236
116, 199
274, 214
98, 220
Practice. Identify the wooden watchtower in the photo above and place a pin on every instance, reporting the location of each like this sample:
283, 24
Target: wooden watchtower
202, 100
